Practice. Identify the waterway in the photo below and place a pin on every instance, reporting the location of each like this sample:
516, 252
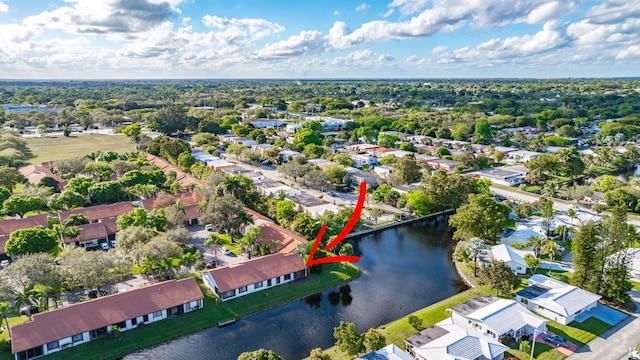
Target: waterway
403, 269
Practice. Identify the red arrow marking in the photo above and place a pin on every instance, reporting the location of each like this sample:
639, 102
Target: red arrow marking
347, 229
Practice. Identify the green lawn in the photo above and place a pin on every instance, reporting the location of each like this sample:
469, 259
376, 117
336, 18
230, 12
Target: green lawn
579, 333
60, 147
214, 311
564, 276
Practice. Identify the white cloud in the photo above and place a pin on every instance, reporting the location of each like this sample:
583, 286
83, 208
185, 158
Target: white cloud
614, 11
336, 13
307, 42
185, 21
363, 6
630, 52
388, 13
105, 17
439, 49
3, 7
408, 7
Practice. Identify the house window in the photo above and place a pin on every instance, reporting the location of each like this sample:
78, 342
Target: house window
287, 277
157, 314
122, 325
31, 353
490, 333
134, 321
524, 301
77, 337
53, 345
145, 318
242, 289
258, 285
228, 294
269, 282
98, 333
278, 280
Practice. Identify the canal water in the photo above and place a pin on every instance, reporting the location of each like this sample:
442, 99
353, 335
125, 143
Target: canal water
403, 270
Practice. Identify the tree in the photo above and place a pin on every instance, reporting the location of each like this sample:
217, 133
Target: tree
347, 338
483, 132
19, 204
225, 214
532, 262
133, 132
375, 214
30, 241
106, 192
550, 249
4, 194
153, 219
27, 271
86, 270
386, 194
260, 354
407, 170
472, 248
388, 140
80, 185
180, 235
317, 179
415, 322
215, 240
317, 354
336, 173
10, 177
499, 275
482, 217
76, 220
249, 242
373, 340
67, 200
306, 136
175, 215
133, 237
537, 244
169, 120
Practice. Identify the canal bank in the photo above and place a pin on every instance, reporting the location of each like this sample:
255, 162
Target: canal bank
402, 270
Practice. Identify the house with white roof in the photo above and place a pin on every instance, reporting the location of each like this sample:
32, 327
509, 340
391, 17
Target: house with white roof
383, 171
512, 257
519, 236
286, 155
362, 160
523, 155
556, 300
389, 352
474, 329
634, 263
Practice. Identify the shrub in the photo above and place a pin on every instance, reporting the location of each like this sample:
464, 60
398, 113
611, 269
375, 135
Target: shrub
416, 322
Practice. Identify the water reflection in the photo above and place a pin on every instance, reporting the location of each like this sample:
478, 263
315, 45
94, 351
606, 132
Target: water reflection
403, 270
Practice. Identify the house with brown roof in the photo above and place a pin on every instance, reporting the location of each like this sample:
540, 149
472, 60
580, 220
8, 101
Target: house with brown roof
10, 225
95, 213
76, 324
35, 173
254, 275
288, 241
92, 234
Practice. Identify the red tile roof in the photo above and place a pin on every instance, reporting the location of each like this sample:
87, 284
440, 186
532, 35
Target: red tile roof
183, 178
95, 231
10, 225
98, 212
3, 242
256, 215
287, 239
188, 198
258, 269
75, 319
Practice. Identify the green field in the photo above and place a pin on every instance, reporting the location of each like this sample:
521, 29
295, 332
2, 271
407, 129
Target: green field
59, 147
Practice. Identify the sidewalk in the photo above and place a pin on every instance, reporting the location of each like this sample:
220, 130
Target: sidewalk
615, 342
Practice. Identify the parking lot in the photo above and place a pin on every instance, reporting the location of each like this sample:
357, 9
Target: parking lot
198, 237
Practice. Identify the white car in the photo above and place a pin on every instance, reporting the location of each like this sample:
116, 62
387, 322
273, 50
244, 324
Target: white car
104, 246
225, 250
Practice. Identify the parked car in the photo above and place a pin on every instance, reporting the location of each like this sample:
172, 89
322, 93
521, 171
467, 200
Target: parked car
208, 227
112, 243
93, 293
212, 264
29, 309
225, 250
104, 246
5, 263
556, 340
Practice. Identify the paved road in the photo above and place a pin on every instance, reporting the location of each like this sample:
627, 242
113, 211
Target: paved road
614, 344
514, 194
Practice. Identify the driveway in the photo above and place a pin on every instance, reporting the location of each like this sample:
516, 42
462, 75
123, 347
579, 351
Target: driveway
567, 350
605, 313
198, 237
614, 343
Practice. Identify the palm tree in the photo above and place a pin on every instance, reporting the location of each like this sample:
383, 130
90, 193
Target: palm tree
550, 248
47, 293
27, 297
4, 310
537, 243
249, 241
188, 259
148, 264
231, 185
214, 239
202, 207
572, 214
550, 189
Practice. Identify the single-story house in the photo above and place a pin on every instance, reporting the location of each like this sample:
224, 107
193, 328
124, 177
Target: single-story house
244, 141
76, 324
389, 352
286, 155
322, 163
362, 147
292, 128
404, 189
260, 148
501, 176
556, 300
288, 241
512, 257
255, 275
519, 236
304, 201
266, 123
379, 151
364, 160
383, 171
10, 225
95, 213
318, 210
634, 263
523, 155
92, 234
443, 164
35, 173
474, 329
268, 187
358, 176
415, 139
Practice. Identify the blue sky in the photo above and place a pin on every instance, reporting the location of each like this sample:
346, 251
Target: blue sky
127, 39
